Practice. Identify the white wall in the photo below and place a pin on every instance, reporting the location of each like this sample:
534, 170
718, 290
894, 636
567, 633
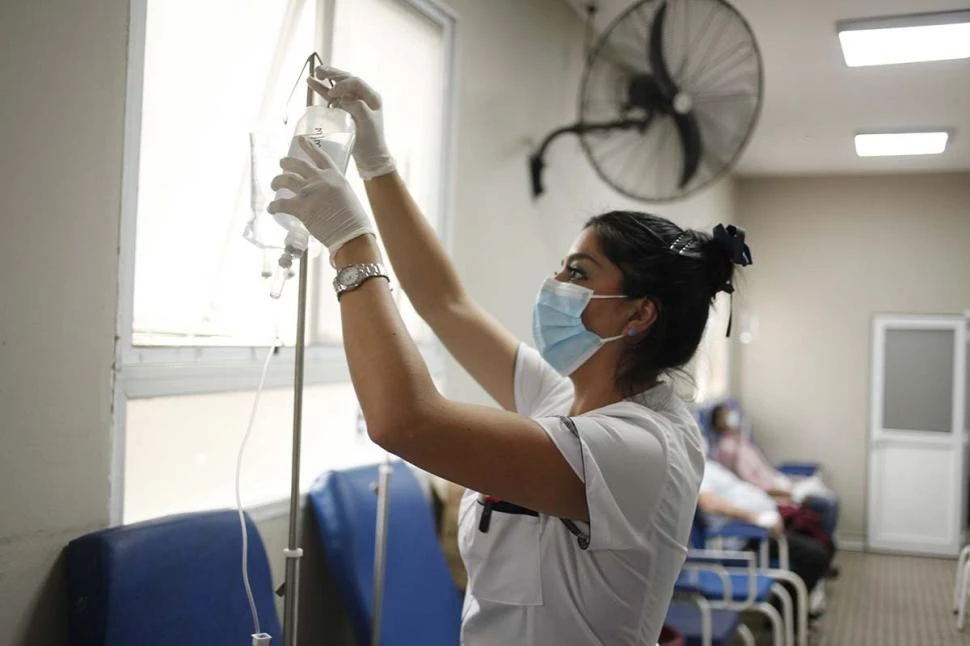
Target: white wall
61, 123
829, 253
63, 74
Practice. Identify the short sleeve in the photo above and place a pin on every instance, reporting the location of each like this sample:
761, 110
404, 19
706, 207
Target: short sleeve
623, 467
539, 390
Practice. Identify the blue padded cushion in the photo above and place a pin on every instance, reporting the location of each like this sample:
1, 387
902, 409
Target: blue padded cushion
686, 617
739, 530
174, 580
799, 469
709, 585
422, 604
698, 531
683, 585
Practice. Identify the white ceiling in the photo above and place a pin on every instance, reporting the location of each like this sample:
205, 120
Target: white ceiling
814, 104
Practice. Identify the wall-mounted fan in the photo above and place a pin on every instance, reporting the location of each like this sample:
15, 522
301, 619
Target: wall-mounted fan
670, 95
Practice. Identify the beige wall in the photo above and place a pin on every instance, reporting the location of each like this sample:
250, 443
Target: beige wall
61, 124
519, 72
63, 74
829, 253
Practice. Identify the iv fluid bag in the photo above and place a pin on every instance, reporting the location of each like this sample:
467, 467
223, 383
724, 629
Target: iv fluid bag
330, 129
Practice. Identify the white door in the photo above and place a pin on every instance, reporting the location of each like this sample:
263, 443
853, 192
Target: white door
917, 439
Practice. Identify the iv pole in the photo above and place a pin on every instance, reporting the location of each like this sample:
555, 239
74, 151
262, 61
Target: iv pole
293, 553
380, 547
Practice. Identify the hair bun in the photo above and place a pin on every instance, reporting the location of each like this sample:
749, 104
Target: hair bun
725, 249
732, 238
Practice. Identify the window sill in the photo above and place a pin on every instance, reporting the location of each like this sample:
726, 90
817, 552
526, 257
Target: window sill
159, 372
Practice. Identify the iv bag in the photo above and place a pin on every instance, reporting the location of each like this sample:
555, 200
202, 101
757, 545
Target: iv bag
266, 145
330, 129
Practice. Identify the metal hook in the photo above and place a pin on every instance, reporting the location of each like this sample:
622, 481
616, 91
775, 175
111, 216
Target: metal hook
308, 64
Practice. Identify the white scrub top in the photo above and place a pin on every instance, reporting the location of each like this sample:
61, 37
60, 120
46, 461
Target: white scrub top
531, 581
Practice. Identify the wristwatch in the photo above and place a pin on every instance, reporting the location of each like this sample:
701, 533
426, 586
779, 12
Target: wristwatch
353, 276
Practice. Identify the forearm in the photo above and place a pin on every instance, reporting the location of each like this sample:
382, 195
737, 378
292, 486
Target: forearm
389, 375
736, 513
713, 504
425, 271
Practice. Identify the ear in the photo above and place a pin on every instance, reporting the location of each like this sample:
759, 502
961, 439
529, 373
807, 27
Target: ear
643, 317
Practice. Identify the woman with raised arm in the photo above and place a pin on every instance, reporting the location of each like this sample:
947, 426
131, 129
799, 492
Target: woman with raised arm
581, 493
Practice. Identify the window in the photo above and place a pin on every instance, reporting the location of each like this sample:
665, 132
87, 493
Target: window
196, 317
197, 281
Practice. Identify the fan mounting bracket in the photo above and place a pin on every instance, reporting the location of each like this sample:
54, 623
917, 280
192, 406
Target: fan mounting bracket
537, 163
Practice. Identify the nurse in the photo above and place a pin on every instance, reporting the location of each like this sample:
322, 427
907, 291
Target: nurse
581, 492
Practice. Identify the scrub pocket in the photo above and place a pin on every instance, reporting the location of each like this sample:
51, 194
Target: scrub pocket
502, 563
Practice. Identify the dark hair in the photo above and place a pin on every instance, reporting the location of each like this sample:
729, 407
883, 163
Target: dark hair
714, 413
681, 270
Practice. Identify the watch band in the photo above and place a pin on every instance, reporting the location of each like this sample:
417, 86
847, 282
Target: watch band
351, 277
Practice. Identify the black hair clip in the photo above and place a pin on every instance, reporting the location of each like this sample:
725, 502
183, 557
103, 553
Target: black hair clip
732, 237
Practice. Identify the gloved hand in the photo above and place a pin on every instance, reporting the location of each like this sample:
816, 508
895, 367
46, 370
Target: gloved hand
324, 201
364, 104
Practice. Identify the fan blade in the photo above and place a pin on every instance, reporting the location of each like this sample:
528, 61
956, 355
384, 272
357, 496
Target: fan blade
690, 137
656, 55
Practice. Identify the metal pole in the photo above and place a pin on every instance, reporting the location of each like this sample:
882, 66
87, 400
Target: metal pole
291, 589
293, 553
380, 547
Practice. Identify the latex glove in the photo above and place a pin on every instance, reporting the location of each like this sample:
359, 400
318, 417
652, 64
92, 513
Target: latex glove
364, 104
324, 201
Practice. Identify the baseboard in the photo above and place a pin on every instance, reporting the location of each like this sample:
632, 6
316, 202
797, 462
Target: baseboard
851, 545
851, 541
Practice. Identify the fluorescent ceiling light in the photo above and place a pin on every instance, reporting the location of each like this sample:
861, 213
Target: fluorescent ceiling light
900, 143
906, 39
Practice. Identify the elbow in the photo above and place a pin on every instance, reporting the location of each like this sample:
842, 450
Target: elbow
395, 431
384, 435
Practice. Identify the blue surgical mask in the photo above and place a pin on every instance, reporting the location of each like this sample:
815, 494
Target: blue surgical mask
557, 325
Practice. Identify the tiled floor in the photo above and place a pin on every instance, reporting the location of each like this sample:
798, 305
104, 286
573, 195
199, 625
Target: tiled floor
882, 600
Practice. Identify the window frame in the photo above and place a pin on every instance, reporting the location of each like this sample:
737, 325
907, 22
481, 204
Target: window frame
154, 371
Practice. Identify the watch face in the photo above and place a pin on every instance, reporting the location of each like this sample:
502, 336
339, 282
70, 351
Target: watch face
348, 276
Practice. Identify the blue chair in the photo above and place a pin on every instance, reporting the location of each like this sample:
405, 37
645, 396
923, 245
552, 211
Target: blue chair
422, 604
702, 626
703, 416
732, 580
174, 580
704, 538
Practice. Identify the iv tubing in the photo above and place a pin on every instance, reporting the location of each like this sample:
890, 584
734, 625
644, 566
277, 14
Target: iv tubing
239, 507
